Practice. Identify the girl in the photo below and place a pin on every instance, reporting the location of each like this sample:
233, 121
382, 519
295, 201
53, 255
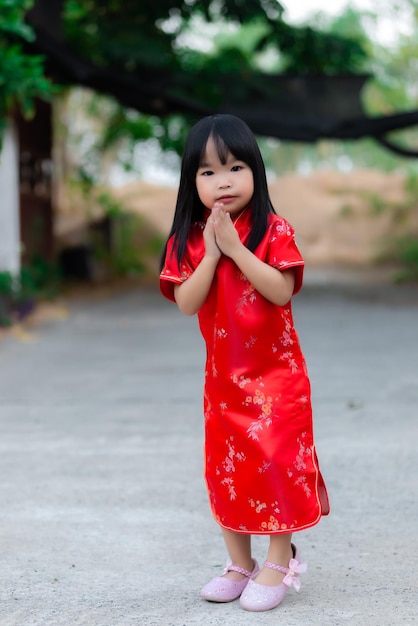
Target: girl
232, 260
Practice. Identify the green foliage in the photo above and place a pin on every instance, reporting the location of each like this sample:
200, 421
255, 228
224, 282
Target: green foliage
6, 284
308, 51
151, 38
19, 293
6, 298
405, 247
133, 246
193, 50
39, 279
156, 42
120, 242
406, 255
21, 75
137, 35
401, 246
12, 12
392, 88
114, 135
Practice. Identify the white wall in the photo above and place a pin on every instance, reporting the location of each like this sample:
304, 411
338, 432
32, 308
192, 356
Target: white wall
9, 204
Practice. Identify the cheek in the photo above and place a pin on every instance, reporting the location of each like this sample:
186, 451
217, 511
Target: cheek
250, 186
203, 188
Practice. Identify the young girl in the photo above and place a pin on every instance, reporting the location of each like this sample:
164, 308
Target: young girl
232, 260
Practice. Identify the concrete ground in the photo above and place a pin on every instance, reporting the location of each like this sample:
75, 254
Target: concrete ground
104, 519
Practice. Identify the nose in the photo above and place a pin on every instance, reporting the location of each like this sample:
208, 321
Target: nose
224, 182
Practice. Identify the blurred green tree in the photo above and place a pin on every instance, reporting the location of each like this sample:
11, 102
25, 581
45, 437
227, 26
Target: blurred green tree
132, 35
193, 50
392, 88
21, 75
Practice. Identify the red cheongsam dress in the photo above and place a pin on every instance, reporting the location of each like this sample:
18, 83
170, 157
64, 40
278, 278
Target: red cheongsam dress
261, 467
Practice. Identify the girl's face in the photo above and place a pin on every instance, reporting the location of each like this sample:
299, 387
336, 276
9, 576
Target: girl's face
231, 183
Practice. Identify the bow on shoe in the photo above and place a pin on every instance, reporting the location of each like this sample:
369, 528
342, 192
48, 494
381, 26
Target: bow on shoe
292, 578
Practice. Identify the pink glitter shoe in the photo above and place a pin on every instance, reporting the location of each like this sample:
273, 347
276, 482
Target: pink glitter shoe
222, 589
258, 597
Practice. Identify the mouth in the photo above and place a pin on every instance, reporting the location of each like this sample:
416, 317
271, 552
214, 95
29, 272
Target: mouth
225, 198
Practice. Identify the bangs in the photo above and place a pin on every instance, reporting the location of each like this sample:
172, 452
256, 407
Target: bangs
230, 136
222, 149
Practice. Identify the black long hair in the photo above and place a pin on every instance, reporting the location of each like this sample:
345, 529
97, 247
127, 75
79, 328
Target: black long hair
230, 134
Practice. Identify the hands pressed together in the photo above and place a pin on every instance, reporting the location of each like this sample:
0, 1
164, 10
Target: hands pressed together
220, 235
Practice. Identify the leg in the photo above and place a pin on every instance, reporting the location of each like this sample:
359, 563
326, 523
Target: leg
279, 552
230, 586
239, 550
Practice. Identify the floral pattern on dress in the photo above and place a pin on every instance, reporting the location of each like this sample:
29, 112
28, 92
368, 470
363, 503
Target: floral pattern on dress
282, 228
241, 381
300, 464
264, 404
260, 462
248, 296
228, 467
271, 522
290, 360
251, 342
287, 337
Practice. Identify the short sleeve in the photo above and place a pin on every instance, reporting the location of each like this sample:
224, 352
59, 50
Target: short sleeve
282, 251
172, 274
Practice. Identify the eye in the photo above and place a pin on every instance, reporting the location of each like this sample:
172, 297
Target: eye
206, 173
237, 168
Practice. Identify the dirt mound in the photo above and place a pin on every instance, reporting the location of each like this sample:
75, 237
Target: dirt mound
340, 218
155, 204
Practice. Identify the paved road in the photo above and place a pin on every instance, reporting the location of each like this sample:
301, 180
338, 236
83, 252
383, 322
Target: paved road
104, 519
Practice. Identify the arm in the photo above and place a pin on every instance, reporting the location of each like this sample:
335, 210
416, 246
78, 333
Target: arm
192, 293
274, 285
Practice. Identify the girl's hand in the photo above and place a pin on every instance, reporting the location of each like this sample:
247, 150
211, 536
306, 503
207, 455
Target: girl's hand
211, 247
226, 235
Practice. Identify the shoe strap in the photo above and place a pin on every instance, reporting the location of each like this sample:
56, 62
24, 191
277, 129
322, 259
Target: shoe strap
278, 568
240, 570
